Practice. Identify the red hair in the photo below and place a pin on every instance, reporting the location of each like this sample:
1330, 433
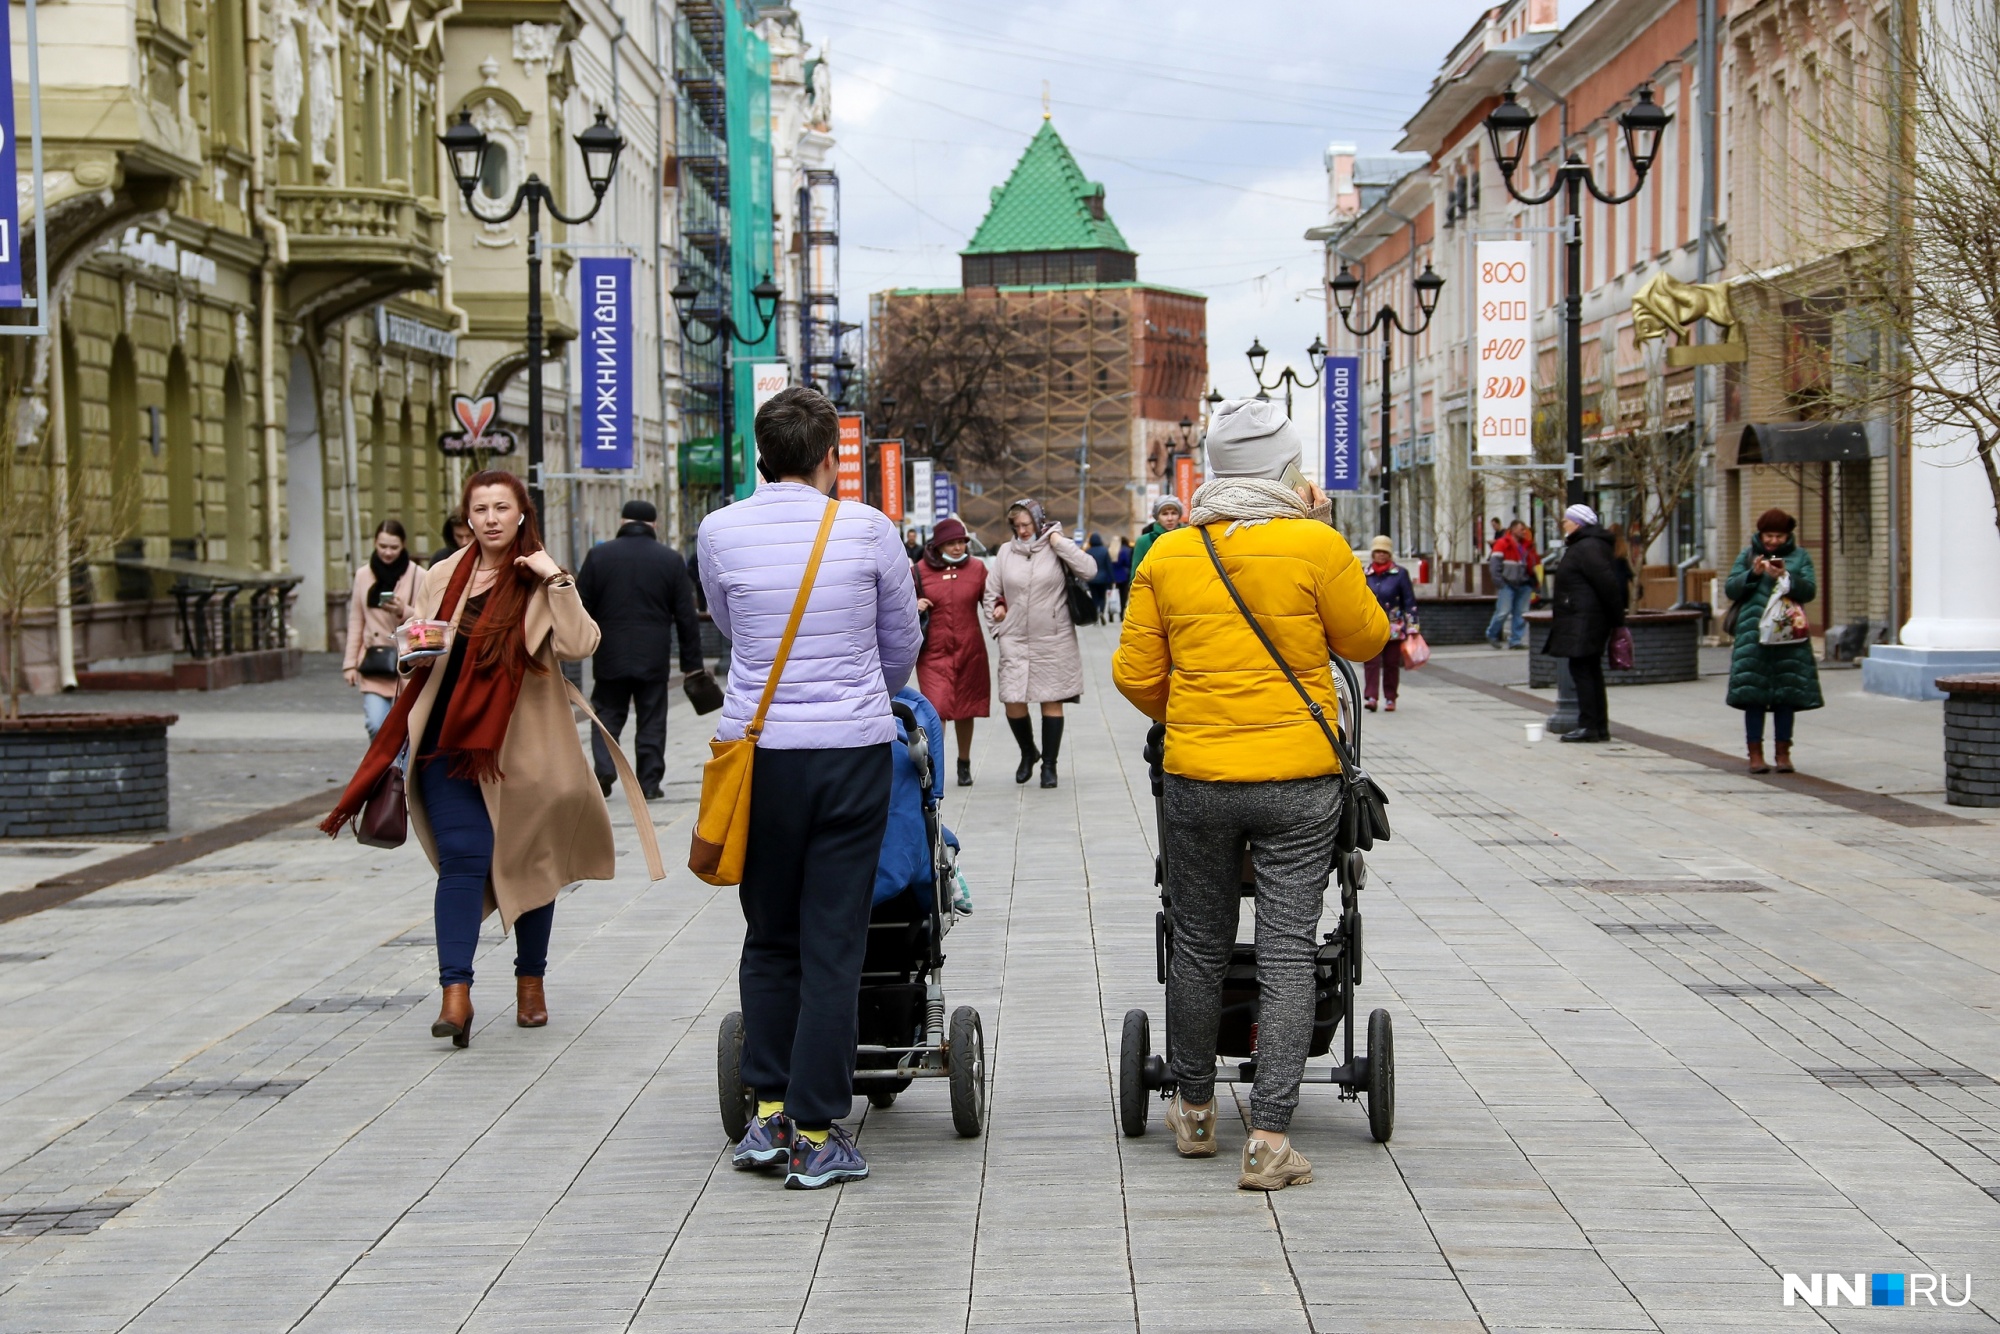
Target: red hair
497, 639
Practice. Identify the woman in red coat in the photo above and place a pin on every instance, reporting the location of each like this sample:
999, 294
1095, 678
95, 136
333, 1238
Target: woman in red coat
952, 671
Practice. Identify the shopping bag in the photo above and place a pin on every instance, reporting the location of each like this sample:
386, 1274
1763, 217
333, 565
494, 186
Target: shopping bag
1620, 650
1415, 651
1784, 621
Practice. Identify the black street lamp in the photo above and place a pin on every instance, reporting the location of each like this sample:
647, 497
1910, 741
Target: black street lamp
1345, 287
466, 146
1286, 377
1507, 127
722, 325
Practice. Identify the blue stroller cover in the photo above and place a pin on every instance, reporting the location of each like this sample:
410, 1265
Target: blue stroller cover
906, 846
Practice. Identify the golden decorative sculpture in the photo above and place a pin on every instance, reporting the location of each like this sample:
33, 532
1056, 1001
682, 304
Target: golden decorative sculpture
1666, 304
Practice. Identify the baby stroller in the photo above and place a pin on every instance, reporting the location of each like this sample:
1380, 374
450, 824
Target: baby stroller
904, 1036
1337, 973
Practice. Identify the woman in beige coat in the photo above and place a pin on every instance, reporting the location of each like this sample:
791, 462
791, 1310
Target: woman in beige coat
384, 591
1028, 603
500, 793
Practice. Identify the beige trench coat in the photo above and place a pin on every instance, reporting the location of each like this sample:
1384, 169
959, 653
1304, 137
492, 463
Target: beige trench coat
550, 824
1039, 660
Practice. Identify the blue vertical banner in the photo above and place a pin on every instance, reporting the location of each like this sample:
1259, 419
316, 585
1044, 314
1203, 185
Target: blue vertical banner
1343, 424
607, 363
944, 496
10, 198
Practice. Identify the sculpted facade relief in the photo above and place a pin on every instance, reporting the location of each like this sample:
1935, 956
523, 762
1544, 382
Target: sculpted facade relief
322, 49
288, 74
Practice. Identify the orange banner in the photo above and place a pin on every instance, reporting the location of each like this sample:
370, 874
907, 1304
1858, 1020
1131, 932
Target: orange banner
1184, 482
848, 485
890, 455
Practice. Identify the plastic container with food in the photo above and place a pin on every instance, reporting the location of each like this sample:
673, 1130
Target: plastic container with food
420, 640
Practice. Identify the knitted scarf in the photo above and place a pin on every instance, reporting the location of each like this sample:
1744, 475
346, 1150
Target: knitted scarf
1245, 502
387, 576
475, 718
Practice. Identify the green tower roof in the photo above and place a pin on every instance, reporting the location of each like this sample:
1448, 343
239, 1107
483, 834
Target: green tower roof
1047, 204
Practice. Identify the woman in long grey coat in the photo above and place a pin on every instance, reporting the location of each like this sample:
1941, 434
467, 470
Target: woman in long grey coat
1028, 603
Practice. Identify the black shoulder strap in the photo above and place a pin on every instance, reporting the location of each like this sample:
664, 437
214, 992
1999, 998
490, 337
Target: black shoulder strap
1256, 627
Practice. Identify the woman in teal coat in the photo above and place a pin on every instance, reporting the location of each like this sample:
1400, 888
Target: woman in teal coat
1779, 679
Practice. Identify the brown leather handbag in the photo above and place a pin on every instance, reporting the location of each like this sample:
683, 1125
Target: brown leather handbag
385, 815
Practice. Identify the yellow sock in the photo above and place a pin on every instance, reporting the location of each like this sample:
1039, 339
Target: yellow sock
767, 1110
816, 1138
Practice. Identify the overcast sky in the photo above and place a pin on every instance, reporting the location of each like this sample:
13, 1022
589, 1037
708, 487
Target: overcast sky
1205, 119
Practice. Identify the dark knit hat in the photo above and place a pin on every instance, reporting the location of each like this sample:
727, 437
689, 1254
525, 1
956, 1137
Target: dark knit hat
1775, 520
639, 511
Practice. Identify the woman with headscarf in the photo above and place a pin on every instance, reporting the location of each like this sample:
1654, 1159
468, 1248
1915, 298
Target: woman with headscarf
952, 671
1779, 679
1246, 761
384, 590
1027, 599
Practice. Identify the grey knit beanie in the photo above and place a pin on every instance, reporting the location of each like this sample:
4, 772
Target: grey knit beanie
1252, 437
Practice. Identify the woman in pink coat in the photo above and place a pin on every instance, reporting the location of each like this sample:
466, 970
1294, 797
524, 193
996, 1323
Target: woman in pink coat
384, 591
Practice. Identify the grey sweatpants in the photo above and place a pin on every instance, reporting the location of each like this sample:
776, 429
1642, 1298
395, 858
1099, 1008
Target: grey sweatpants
1291, 827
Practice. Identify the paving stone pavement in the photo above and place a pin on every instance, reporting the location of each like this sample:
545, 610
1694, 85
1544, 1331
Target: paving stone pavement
1664, 1034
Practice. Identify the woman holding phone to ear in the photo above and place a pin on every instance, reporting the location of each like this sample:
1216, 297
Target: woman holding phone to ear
500, 793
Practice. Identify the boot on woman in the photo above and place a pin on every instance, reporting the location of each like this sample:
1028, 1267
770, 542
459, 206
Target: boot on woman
454, 1019
1024, 734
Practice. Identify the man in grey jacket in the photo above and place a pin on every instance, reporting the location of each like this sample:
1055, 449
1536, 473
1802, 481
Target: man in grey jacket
819, 793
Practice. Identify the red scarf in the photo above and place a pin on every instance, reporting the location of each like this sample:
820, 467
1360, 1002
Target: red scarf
475, 718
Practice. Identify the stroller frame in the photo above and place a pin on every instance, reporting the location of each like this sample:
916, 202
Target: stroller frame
891, 974
1337, 972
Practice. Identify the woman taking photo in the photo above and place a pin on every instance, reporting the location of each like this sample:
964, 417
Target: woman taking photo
1246, 761
384, 590
951, 671
1027, 600
500, 794
1779, 679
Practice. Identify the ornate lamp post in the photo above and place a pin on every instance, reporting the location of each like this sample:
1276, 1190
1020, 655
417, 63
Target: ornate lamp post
1286, 377
466, 146
1345, 287
722, 325
1507, 127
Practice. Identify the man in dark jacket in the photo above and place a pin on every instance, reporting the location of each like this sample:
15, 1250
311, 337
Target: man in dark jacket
1588, 604
637, 590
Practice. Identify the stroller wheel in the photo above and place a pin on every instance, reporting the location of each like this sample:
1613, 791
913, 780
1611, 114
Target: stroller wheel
738, 1102
968, 1072
881, 1097
1135, 1045
1381, 1077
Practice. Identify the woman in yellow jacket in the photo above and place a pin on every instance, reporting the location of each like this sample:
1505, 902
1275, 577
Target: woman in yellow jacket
1245, 759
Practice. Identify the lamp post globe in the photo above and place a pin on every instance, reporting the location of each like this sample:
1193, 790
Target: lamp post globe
1428, 286
1257, 354
1507, 127
601, 145
1644, 122
465, 146
1345, 286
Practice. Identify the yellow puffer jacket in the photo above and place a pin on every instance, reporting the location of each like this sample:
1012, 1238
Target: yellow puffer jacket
1187, 657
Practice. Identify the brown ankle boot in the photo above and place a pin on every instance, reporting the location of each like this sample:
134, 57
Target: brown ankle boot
454, 1019
1758, 765
531, 1007
1784, 765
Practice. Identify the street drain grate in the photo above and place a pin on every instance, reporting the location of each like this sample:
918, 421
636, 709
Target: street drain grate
21, 958
39, 850
1661, 929
1673, 886
1761, 989
157, 901
214, 1088
72, 1220
347, 1004
1898, 1076
421, 939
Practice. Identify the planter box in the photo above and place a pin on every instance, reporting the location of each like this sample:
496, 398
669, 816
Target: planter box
1459, 618
1971, 739
1666, 646
74, 775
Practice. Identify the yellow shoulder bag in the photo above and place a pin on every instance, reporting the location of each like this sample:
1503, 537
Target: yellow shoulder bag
722, 825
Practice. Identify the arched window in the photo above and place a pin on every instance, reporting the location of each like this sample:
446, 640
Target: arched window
127, 466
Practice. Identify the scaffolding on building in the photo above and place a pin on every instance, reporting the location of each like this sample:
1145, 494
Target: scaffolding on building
819, 300
702, 130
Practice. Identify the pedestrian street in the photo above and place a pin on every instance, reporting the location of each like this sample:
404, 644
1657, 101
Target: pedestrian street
1665, 1033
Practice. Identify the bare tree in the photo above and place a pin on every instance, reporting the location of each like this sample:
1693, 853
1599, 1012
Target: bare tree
942, 359
44, 534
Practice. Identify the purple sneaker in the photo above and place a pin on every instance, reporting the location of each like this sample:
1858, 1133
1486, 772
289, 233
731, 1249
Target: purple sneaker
767, 1143
834, 1161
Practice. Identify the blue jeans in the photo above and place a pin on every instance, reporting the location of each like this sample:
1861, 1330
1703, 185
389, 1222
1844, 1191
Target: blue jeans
1753, 725
374, 710
464, 835
1510, 604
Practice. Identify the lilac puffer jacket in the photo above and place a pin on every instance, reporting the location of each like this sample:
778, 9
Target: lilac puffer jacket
859, 639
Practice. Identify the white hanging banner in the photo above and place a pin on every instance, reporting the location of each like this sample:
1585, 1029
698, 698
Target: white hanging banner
1504, 350
917, 513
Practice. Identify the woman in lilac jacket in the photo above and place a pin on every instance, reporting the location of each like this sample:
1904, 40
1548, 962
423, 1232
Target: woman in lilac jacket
819, 792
